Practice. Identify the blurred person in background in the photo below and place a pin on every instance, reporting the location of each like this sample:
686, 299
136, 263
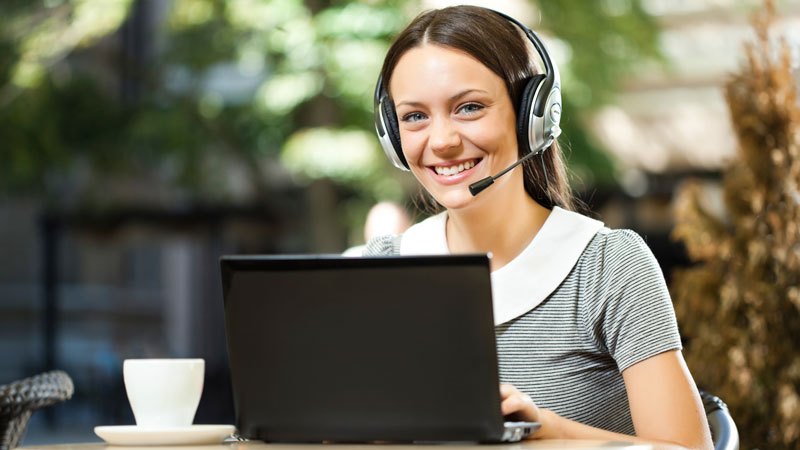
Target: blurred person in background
383, 218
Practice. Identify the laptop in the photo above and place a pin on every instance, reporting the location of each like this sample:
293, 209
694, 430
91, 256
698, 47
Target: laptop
398, 349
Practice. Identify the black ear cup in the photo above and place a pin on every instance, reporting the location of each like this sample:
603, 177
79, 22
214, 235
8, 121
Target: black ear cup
524, 112
392, 127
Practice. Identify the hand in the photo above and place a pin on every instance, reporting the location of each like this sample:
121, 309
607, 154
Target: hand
521, 406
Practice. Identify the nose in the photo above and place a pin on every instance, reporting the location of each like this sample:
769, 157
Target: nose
443, 136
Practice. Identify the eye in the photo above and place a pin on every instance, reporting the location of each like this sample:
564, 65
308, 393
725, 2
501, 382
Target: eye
470, 108
413, 117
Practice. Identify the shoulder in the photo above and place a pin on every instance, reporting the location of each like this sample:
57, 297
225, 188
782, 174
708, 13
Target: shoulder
385, 245
424, 238
618, 239
620, 267
618, 251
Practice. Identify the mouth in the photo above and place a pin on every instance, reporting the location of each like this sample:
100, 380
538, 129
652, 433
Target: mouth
454, 171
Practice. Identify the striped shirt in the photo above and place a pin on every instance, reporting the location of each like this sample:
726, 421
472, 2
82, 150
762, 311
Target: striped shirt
611, 311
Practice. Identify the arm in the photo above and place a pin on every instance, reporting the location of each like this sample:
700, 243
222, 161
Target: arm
664, 402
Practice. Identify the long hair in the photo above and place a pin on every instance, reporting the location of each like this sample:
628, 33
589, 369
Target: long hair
500, 46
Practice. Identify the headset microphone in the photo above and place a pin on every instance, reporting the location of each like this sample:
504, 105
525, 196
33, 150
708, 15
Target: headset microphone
478, 186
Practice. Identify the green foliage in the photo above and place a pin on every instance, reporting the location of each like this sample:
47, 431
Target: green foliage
606, 39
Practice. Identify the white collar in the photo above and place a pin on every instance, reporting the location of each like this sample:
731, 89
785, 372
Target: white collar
534, 274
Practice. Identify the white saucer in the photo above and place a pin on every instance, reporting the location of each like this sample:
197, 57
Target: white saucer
191, 435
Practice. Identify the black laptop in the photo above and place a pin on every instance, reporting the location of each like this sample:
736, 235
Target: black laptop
399, 349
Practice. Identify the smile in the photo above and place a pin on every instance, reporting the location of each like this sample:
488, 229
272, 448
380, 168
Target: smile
455, 169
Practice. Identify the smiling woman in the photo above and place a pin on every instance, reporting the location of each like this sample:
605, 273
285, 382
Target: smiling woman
587, 339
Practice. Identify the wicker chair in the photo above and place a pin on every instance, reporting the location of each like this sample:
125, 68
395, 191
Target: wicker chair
18, 400
723, 429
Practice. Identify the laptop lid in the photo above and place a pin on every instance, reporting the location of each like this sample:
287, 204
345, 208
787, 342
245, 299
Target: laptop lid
362, 349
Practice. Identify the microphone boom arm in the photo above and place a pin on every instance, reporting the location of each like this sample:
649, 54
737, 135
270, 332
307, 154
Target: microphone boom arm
478, 186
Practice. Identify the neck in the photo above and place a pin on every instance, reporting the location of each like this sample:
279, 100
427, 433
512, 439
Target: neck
503, 223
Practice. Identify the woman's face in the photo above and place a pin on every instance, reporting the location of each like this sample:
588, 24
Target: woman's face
457, 123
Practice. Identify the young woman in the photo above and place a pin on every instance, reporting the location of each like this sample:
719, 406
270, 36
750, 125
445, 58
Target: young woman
587, 339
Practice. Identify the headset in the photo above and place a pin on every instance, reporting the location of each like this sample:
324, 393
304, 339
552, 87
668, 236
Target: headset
538, 115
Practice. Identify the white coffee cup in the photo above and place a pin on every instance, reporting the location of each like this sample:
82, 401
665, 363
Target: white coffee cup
164, 393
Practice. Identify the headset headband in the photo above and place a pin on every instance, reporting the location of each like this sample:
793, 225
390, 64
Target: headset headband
553, 78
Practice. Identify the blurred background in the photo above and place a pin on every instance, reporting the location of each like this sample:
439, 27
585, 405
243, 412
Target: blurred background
142, 139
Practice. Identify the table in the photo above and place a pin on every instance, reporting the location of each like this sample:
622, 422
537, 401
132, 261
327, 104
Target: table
256, 445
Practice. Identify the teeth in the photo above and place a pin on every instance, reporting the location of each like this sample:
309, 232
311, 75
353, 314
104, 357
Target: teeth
452, 170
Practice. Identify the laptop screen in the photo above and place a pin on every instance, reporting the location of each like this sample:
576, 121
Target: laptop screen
357, 349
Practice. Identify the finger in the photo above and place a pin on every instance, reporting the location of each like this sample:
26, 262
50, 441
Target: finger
517, 402
507, 390
512, 404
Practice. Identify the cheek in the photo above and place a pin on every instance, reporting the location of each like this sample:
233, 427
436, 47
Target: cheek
495, 136
411, 143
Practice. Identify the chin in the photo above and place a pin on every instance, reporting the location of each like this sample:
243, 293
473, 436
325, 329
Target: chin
456, 199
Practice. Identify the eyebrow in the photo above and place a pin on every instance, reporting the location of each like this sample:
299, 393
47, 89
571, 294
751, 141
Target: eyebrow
453, 98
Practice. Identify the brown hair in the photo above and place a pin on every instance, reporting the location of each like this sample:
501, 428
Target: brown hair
500, 46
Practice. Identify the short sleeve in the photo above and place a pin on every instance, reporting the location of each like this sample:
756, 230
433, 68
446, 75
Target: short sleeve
385, 245
632, 315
